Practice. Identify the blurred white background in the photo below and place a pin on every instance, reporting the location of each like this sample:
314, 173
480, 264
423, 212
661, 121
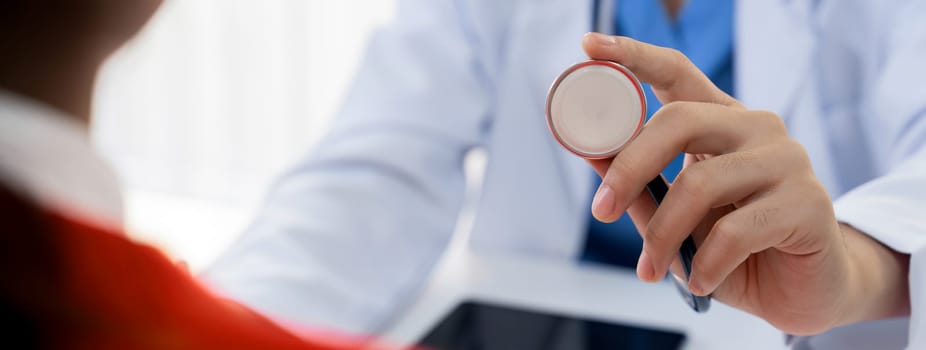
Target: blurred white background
217, 97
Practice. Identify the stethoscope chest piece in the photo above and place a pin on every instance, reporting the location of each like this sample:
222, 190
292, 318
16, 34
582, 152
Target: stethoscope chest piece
595, 108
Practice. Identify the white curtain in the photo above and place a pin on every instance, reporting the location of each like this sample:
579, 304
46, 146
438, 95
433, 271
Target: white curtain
216, 97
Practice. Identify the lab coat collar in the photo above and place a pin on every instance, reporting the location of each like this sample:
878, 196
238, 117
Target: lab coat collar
48, 157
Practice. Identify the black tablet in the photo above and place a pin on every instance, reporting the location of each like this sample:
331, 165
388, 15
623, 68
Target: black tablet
476, 325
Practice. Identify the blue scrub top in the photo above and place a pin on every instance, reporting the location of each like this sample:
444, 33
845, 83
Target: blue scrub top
704, 32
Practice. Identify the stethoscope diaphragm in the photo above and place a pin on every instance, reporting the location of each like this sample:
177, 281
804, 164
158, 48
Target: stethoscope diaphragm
595, 108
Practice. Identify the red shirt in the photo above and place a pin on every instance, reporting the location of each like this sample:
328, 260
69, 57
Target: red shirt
70, 284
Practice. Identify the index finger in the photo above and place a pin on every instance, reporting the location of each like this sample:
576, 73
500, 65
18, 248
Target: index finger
680, 127
670, 73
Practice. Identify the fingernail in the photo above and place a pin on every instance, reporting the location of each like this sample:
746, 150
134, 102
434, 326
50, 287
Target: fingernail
695, 287
599, 39
645, 268
604, 202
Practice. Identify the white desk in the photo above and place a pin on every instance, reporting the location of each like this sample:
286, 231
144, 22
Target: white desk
589, 291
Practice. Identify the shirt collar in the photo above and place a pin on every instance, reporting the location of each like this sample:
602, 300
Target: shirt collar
48, 157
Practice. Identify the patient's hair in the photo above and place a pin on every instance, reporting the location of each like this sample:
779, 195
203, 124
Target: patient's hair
15, 16
28, 26
42, 25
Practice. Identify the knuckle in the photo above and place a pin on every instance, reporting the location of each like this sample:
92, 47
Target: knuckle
674, 112
678, 58
763, 217
819, 203
656, 235
731, 163
797, 154
771, 121
693, 181
622, 165
725, 231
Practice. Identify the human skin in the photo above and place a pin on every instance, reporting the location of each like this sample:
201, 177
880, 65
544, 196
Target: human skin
768, 240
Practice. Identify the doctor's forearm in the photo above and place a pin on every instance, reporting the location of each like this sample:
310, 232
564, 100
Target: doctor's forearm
878, 287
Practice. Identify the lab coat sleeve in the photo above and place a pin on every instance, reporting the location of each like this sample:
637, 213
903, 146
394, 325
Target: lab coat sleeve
346, 238
892, 207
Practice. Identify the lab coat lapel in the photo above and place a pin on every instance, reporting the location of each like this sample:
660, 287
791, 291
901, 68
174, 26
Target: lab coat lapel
774, 49
543, 38
575, 172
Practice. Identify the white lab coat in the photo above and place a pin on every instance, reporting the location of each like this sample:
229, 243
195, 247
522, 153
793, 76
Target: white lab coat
349, 236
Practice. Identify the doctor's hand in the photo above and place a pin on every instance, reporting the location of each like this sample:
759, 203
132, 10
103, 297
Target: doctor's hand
768, 240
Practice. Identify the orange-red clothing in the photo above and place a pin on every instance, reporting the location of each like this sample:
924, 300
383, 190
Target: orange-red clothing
69, 284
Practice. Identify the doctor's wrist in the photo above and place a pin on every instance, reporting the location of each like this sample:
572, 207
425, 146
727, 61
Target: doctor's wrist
878, 286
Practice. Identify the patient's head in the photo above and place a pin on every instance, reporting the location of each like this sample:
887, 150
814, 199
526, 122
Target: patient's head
100, 25
51, 50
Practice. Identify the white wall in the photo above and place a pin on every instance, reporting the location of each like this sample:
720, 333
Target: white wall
214, 99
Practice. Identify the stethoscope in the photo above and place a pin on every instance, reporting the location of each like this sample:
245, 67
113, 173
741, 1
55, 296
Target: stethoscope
595, 108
